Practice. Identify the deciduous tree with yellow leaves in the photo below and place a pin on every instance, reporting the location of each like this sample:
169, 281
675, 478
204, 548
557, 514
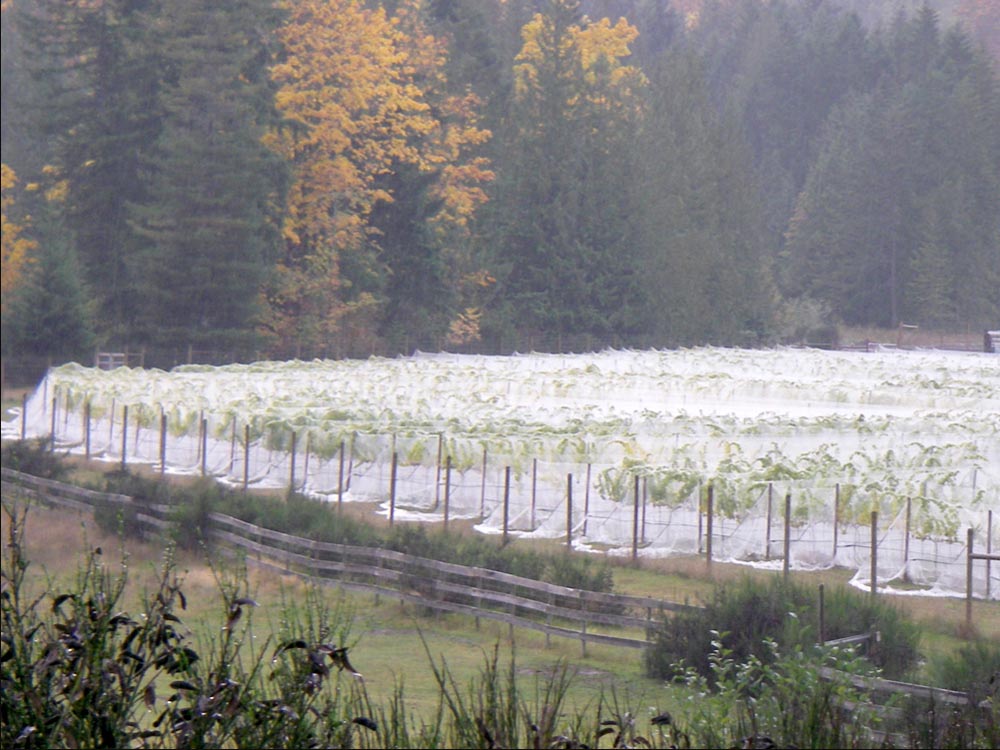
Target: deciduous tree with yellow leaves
16, 247
363, 99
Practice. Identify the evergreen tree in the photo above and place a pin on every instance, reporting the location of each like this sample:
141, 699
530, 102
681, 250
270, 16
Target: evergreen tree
704, 263
48, 314
562, 219
93, 99
210, 211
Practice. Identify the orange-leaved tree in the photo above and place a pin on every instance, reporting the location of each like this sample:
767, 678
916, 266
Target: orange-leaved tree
360, 94
16, 247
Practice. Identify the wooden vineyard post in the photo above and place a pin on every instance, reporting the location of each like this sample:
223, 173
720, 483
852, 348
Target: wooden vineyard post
482, 492
506, 502
246, 456
534, 489
569, 512
52, 429
204, 446
645, 499
340, 479
788, 535
350, 463
392, 489
767, 526
709, 508
586, 502
836, 519
24, 415
305, 465
163, 442
86, 430
989, 549
437, 471
447, 490
906, 543
635, 523
124, 435
969, 539
291, 465
874, 567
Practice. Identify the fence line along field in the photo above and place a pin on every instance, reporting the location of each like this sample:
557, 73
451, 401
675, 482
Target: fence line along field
617, 451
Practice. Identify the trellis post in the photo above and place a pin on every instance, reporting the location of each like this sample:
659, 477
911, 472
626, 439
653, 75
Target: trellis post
124, 435
569, 512
392, 489
163, 442
709, 508
506, 501
447, 490
788, 535
874, 561
635, 522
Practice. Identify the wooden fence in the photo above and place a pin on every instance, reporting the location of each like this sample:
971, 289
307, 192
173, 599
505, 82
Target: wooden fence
587, 616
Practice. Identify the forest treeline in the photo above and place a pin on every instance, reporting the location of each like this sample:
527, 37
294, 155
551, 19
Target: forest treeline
282, 175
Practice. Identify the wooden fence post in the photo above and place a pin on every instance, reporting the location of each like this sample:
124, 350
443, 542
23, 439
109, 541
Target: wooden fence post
24, 416
874, 566
788, 535
392, 489
569, 512
586, 502
506, 501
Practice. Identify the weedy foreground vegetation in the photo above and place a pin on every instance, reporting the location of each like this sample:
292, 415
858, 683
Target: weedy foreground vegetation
82, 667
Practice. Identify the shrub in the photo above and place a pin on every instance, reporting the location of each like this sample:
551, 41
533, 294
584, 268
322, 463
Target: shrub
33, 457
749, 612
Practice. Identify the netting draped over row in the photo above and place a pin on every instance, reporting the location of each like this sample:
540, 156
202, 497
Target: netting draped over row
625, 470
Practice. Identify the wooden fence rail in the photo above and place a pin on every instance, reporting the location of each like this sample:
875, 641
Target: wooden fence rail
479, 592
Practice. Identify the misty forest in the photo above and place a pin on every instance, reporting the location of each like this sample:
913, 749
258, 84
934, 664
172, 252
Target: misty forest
300, 177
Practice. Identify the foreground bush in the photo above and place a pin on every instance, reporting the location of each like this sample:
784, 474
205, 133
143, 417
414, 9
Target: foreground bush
750, 612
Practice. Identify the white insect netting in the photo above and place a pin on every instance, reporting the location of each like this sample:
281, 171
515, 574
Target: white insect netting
841, 434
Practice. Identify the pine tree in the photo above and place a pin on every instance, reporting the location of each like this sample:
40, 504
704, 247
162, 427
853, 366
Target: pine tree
210, 213
93, 100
